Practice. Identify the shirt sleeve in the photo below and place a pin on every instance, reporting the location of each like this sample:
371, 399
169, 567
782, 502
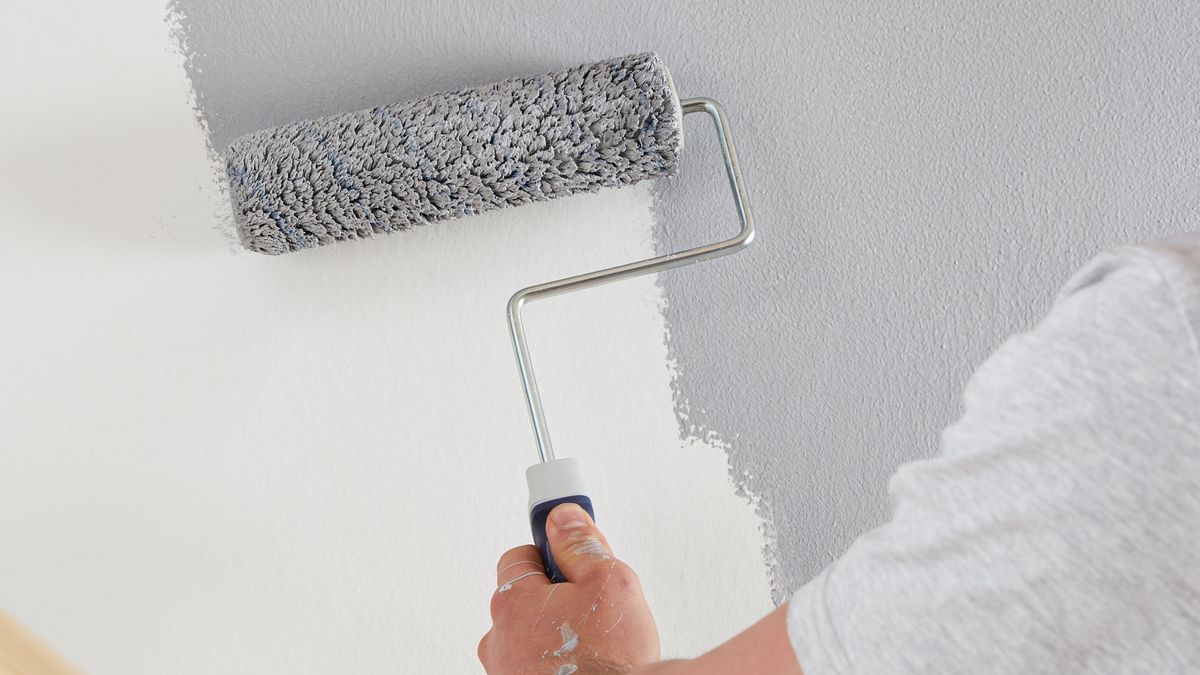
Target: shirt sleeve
1051, 535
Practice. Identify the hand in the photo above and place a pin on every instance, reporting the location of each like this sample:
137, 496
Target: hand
595, 623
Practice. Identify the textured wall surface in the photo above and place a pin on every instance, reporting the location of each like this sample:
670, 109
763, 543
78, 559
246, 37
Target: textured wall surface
214, 461
925, 175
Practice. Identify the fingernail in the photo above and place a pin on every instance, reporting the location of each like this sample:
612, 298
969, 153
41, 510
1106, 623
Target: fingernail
568, 516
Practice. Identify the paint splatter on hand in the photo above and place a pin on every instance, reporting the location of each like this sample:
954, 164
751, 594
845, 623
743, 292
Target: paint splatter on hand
595, 623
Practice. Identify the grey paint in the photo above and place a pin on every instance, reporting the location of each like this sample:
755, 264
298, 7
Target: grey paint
925, 176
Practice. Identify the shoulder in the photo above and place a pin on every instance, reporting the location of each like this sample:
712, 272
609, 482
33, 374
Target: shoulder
1122, 327
1145, 277
1176, 258
1057, 522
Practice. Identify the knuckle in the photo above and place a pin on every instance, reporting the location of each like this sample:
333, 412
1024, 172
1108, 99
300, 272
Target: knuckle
624, 578
517, 555
482, 650
499, 606
504, 604
506, 556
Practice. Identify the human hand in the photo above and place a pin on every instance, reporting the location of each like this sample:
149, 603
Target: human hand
595, 623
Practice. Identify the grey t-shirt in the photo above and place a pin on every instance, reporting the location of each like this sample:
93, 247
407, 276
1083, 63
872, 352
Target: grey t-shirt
1059, 529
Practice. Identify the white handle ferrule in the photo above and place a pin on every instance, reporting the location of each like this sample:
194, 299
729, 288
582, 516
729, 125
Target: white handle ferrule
554, 480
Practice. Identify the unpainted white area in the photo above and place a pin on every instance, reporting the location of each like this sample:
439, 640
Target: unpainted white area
218, 462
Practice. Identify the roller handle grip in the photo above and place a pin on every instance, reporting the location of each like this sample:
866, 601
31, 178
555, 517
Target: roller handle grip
552, 483
537, 522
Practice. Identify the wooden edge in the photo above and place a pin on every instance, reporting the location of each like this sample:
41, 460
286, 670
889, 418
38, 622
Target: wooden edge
22, 653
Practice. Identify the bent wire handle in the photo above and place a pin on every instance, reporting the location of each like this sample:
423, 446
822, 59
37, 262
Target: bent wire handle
648, 266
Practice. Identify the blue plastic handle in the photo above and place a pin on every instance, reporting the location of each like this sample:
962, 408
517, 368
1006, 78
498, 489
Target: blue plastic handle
537, 522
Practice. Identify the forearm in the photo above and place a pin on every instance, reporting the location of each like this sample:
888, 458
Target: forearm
672, 667
762, 649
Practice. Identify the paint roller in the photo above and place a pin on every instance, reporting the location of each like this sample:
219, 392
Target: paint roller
358, 175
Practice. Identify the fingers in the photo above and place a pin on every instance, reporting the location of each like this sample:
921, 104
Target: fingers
579, 548
519, 567
517, 563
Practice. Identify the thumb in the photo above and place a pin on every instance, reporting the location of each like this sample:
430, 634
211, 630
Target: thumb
579, 548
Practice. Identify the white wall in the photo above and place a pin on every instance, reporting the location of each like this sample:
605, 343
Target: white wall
213, 461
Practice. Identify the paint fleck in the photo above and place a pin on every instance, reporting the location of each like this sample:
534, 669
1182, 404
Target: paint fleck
543, 609
567, 669
615, 623
508, 586
591, 546
604, 585
570, 640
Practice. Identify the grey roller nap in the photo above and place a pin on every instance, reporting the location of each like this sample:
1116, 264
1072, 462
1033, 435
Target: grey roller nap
390, 168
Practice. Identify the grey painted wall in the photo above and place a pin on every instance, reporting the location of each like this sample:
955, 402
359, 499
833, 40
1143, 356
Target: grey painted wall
925, 174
